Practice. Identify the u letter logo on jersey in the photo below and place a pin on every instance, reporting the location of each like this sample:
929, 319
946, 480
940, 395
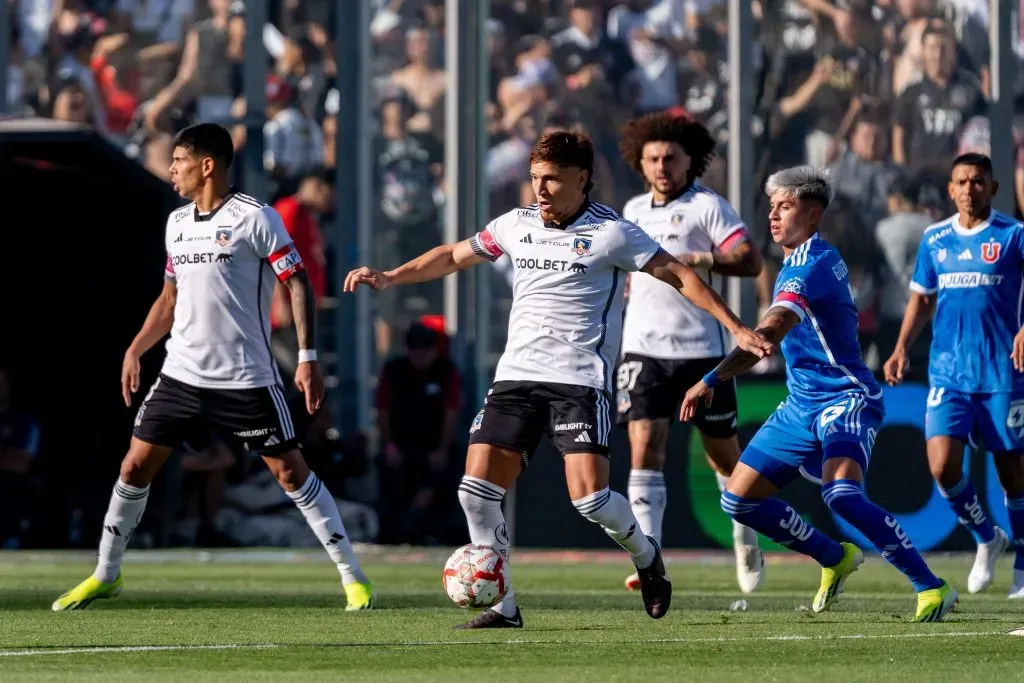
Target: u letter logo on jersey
990, 251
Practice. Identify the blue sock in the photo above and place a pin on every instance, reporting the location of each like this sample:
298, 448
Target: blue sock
963, 498
782, 524
846, 498
1015, 506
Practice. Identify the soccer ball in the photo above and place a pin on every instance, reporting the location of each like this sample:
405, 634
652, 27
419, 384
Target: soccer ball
474, 576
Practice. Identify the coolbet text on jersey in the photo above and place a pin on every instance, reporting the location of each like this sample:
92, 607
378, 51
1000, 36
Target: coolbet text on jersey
832, 394
976, 277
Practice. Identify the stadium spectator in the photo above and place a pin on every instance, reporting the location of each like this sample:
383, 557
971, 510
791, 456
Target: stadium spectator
19, 445
863, 173
418, 400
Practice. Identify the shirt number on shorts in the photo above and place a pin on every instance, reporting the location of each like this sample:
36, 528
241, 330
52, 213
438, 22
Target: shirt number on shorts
935, 396
1015, 419
628, 374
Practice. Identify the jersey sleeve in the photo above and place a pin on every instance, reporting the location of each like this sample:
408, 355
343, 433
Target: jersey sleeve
169, 273
793, 291
724, 226
925, 280
487, 244
629, 247
270, 240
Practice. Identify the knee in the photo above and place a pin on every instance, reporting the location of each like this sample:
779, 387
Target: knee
289, 469
134, 471
647, 441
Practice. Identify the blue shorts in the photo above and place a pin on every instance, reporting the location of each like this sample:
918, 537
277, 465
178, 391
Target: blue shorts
792, 441
997, 418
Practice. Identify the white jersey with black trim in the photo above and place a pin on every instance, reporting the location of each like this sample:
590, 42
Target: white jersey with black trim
225, 264
567, 292
661, 323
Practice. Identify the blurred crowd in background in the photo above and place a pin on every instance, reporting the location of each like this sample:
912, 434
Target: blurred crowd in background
886, 92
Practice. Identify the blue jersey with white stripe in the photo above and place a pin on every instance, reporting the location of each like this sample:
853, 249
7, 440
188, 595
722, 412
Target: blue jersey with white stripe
976, 278
823, 357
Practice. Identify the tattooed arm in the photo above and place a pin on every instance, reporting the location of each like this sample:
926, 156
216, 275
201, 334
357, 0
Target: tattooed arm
307, 377
775, 325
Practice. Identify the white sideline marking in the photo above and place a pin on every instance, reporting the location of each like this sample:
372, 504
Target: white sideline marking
522, 641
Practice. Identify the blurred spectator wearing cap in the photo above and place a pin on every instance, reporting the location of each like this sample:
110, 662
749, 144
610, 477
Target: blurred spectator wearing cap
654, 33
293, 141
590, 60
422, 83
863, 173
418, 400
300, 214
930, 114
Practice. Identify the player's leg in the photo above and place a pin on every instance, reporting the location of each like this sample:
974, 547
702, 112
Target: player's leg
579, 424
718, 426
848, 433
164, 418
772, 460
1001, 423
949, 423
503, 436
261, 420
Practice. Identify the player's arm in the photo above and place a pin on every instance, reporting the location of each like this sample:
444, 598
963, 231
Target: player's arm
774, 327
303, 305
669, 270
741, 260
434, 264
157, 325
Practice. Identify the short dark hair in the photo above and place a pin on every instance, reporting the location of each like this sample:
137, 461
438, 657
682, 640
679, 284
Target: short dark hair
973, 159
692, 136
207, 140
566, 148
935, 27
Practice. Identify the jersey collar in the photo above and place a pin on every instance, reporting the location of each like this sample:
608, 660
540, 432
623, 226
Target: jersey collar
671, 198
552, 225
961, 230
199, 217
803, 248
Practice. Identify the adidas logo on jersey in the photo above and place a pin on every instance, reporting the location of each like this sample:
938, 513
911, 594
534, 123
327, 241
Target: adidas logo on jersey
965, 255
181, 236
583, 438
528, 239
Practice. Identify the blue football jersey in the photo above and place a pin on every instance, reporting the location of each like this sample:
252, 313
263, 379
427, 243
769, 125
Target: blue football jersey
823, 358
976, 277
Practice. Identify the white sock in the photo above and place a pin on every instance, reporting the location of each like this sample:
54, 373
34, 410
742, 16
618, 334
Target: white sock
127, 503
611, 511
481, 501
321, 512
647, 499
741, 535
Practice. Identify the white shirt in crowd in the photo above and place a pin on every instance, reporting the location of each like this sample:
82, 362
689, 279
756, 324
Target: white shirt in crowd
225, 264
565, 325
293, 142
660, 322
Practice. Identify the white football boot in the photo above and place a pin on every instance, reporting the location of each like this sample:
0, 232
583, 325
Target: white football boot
983, 571
749, 558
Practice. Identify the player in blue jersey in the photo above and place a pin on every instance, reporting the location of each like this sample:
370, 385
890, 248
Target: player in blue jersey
827, 425
968, 281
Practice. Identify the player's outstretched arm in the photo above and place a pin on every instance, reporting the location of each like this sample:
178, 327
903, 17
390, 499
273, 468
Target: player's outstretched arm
743, 260
308, 378
669, 270
436, 263
157, 325
774, 326
919, 312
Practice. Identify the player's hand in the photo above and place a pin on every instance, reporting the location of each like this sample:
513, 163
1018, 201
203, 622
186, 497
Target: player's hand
130, 371
1018, 351
754, 342
898, 364
311, 383
374, 279
697, 392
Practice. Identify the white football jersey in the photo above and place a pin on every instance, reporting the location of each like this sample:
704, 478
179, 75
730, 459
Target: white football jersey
567, 292
661, 323
225, 265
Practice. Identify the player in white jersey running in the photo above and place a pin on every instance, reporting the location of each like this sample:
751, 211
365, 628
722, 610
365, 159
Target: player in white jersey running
225, 252
571, 256
668, 344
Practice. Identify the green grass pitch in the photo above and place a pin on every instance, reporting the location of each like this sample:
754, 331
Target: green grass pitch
278, 616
